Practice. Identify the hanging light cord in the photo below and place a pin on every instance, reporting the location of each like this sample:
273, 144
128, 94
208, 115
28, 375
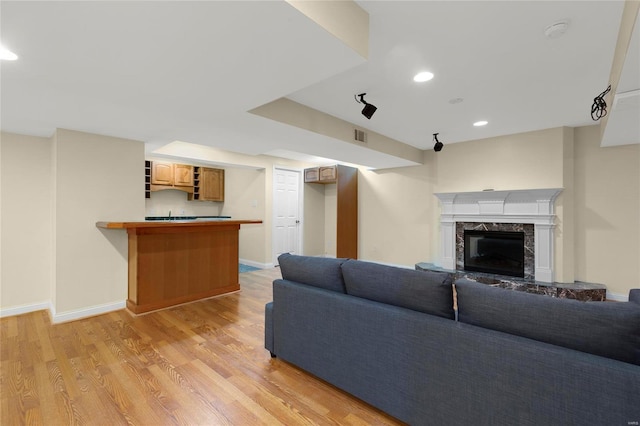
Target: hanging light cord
599, 107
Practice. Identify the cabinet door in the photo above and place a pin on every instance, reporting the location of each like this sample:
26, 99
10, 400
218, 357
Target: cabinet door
327, 174
161, 173
211, 184
182, 175
311, 175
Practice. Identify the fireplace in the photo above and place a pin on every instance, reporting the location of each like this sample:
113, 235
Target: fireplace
529, 210
525, 230
494, 252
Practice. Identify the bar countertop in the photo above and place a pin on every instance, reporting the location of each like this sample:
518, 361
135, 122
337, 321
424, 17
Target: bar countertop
174, 223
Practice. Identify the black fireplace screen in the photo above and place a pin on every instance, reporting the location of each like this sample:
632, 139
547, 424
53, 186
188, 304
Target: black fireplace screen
494, 252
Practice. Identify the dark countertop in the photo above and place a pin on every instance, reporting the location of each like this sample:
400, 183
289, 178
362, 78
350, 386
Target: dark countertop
184, 217
174, 223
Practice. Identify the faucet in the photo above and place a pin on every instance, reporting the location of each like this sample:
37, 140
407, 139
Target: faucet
169, 214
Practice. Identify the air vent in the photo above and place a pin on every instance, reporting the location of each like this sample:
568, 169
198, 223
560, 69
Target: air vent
360, 135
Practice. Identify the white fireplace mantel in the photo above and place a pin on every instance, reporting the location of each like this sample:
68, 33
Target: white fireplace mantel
534, 206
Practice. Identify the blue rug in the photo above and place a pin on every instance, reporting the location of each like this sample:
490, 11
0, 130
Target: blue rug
247, 268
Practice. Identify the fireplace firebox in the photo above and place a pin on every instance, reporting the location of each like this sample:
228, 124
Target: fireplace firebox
494, 252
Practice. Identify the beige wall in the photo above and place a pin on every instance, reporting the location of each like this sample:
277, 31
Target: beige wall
607, 210
245, 199
395, 215
176, 202
314, 220
522, 161
96, 178
52, 250
330, 220
25, 226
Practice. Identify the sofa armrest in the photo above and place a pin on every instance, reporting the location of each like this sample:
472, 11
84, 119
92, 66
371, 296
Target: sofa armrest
634, 295
268, 328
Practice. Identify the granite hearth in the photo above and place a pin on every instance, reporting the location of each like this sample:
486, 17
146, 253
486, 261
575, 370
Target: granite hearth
586, 292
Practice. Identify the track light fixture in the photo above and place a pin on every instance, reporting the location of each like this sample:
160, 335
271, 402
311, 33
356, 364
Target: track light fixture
368, 109
438, 146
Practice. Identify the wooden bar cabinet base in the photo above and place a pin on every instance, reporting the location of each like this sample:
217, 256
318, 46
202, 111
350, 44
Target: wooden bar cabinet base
174, 263
169, 266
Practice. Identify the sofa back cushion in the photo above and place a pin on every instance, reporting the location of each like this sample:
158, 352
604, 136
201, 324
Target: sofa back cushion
320, 272
607, 329
428, 292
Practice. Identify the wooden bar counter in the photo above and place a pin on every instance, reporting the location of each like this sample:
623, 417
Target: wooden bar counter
173, 262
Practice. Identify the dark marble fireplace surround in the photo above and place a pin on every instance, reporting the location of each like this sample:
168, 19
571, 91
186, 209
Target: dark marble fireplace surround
577, 290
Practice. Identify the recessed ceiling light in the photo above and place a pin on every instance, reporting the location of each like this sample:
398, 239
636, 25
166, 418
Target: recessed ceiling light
480, 123
423, 76
7, 55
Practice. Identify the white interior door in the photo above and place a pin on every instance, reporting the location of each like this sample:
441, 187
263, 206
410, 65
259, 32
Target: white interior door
286, 207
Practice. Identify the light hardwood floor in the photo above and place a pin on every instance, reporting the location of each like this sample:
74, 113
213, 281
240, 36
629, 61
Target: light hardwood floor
202, 363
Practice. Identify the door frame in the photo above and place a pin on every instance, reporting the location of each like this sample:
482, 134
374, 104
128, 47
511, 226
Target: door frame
300, 242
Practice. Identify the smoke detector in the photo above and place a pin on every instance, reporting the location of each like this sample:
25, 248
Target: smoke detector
556, 30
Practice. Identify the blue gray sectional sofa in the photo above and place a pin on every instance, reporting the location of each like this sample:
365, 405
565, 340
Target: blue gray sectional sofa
390, 337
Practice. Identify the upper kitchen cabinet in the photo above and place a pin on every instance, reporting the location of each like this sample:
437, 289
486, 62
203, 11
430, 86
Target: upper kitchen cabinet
182, 175
311, 175
208, 184
211, 184
326, 174
161, 173
165, 175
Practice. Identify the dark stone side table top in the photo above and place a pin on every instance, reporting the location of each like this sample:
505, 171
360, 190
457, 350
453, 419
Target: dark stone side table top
577, 290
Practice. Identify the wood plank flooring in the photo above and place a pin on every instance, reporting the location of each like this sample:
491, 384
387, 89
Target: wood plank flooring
202, 363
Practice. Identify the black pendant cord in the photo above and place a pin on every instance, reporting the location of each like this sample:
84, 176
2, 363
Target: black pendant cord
599, 107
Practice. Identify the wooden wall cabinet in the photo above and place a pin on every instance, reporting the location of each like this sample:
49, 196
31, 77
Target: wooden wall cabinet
328, 174
208, 184
161, 173
312, 175
166, 175
346, 179
182, 175
201, 183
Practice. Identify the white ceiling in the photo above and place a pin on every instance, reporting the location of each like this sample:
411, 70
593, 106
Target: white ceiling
190, 71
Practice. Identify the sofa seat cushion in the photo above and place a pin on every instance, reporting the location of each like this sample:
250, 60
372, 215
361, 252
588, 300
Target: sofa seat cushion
607, 329
320, 272
423, 291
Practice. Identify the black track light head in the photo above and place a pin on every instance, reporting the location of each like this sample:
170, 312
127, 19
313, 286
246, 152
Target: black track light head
369, 109
439, 145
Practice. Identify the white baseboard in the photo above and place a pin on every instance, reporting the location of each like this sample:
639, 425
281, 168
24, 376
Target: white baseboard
64, 316
617, 297
25, 309
256, 264
91, 311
